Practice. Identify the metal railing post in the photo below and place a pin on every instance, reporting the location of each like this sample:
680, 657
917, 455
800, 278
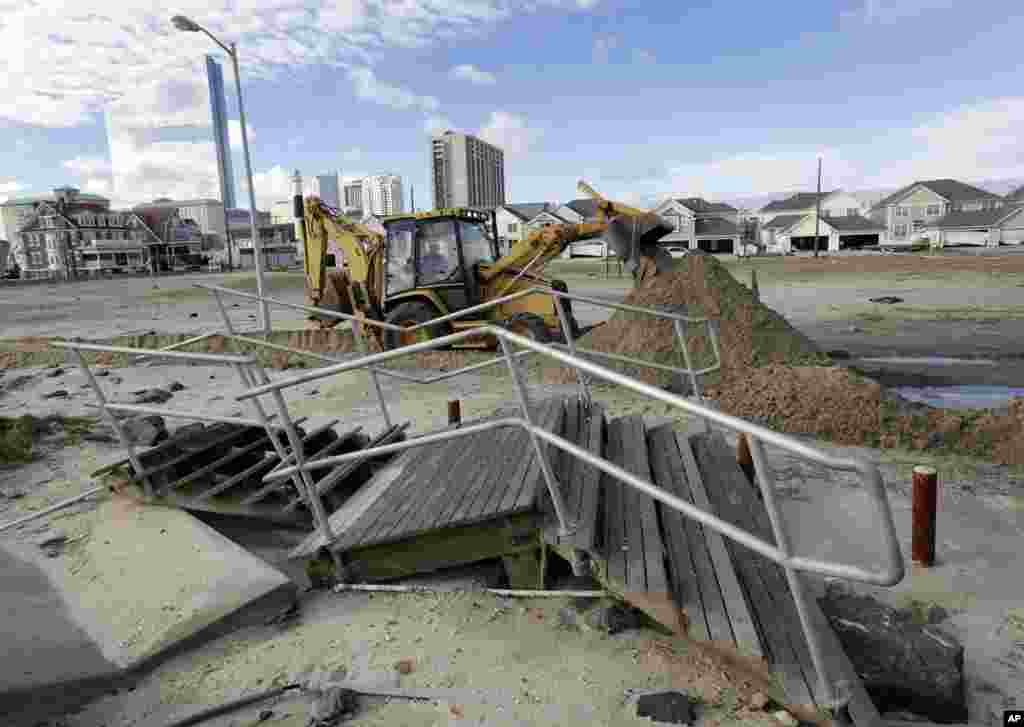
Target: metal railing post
126, 441
680, 329
306, 485
564, 526
766, 480
360, 342
582, 381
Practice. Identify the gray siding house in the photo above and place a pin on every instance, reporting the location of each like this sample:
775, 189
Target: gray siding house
908, 214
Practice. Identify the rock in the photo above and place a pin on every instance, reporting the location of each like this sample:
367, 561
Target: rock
55, 373
612, 618
145, 430
669, 707
58, 394
193, 315
175, 386
151, 396
786, 718
904, 665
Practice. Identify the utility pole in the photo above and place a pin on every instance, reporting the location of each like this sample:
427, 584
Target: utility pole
412, 198
817, 210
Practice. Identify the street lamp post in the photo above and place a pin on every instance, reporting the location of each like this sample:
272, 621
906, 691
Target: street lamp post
182, 23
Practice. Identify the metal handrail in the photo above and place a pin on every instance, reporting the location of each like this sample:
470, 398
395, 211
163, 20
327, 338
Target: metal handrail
890, 574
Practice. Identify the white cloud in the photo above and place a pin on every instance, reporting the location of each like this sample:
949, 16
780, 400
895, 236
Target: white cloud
88, 166
235, 133
469, 72
509, 132
434, 125
95, 55
890, 11
603, 46
370, 88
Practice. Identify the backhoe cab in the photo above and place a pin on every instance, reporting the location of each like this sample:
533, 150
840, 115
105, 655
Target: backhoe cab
441, 262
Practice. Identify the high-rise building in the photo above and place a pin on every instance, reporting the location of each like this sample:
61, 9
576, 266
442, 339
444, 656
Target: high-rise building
325, 186
218, 110
354, 194
382, 195
466, 172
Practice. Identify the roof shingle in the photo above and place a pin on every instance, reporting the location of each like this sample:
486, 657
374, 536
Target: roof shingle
715, 226
586, 208
697, 204
781, 222
978, 218
949, 189
798, 201
527, 211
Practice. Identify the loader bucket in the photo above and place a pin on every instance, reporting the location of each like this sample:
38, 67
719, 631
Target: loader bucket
632, 237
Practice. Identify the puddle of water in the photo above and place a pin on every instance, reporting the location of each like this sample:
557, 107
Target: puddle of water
961, 397
932, 361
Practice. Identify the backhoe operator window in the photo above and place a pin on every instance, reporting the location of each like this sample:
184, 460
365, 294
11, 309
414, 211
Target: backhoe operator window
477, 245
439, 254
399, 254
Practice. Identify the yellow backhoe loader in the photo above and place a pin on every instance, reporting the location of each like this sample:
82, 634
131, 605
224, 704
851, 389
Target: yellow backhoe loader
431, 264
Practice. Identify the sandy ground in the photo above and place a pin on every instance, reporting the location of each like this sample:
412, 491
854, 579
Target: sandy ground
230, 666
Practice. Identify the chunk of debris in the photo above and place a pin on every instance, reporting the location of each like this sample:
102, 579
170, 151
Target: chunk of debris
330, 706
145, 430
886, 299
670, 707
193, 315
58, 394
151, 396
175, 386
613, 619
55, 373
904, 664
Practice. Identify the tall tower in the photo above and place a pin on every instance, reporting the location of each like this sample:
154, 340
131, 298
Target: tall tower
218, 109
298, 198
466, 172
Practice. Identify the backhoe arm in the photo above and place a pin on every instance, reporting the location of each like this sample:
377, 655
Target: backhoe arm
356, 242
542, 246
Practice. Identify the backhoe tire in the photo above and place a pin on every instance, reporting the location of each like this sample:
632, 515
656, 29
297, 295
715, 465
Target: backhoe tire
412, 313
529, 325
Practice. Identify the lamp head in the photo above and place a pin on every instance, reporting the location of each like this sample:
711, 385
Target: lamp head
182, 23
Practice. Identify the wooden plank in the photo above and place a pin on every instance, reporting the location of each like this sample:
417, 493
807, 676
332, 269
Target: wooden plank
532, 486
661, 443
444, 549
636, 570
712, 560
861, 708
426, 459
654, 550
589, 478
226, 482
428, 486
501, 498
566, 461
614, 555
517, 485
276, 485
494, 478
765, 600
476, 460
343, 518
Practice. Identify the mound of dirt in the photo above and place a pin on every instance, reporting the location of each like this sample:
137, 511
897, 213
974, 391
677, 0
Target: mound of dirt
750, 333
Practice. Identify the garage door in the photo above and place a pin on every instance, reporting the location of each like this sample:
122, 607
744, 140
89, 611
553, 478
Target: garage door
1013, 237
966, 237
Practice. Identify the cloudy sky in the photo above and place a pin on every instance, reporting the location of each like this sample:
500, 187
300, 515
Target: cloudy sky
643, 99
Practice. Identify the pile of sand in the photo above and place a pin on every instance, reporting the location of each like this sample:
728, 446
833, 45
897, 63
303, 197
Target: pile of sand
774, 375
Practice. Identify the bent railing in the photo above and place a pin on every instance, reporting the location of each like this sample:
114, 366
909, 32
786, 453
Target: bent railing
780, 552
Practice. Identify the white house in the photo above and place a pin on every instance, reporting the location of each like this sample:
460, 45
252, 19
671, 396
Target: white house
787, 233
511, 220
908, 213
699, 224
990, 227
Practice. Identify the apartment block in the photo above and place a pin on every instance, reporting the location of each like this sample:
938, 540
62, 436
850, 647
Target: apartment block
466, 172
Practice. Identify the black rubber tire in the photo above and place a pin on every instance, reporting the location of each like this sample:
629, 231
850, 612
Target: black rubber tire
530, 325
414, 311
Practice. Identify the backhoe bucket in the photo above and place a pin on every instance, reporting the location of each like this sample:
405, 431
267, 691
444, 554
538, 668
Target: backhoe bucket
634, 236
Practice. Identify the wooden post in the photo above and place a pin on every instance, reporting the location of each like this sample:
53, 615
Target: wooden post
746, 462
454, 413
925, 499
753, 284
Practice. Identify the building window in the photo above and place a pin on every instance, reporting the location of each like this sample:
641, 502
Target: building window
902, 212
512, 227
933, 210
900, 230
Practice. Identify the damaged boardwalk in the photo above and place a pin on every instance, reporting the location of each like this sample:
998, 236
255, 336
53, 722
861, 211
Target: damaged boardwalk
483, 496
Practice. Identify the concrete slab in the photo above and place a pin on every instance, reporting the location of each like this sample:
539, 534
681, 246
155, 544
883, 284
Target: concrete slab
142, 583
